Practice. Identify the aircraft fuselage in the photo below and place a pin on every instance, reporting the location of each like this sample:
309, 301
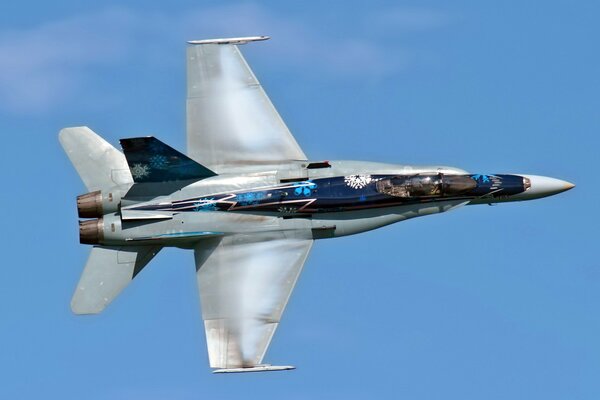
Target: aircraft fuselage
317, 206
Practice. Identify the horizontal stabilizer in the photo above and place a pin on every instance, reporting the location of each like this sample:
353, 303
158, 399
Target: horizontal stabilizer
150, 160
107, 272
98, 163
259, 368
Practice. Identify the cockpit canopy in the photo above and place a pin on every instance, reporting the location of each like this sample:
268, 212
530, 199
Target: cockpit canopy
438, 185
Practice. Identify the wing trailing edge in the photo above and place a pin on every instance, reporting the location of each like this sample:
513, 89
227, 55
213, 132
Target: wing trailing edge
259, 368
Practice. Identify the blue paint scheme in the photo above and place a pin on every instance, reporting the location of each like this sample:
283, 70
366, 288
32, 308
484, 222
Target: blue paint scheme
151, 160
336, 195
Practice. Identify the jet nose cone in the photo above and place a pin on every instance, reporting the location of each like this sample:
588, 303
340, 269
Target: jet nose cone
542, 186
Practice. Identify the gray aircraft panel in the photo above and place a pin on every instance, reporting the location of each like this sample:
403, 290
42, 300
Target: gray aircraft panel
245, 282
230, 119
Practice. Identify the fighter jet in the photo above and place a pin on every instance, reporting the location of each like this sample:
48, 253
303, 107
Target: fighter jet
247, 200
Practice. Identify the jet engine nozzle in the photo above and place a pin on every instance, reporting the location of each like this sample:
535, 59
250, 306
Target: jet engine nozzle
91, 231
96, 204
89, 205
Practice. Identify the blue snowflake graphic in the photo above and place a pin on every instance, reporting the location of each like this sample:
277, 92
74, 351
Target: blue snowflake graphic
482, 178
305, 188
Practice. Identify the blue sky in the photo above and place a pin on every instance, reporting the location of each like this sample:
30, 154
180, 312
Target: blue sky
483, 302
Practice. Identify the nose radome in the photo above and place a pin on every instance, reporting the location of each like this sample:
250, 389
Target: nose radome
542, 186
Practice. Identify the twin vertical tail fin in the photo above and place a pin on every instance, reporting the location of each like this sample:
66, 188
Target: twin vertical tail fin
152, 161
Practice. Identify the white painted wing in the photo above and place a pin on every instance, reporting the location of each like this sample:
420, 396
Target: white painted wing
244, 287
230, 119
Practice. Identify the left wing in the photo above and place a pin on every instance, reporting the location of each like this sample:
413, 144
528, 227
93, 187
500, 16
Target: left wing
245, 282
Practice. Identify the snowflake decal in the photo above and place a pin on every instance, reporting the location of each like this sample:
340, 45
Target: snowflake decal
305, 189
481, 178
158, 161
140, 171
357, 181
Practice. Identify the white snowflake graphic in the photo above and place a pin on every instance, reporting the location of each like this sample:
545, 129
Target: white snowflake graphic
139, 171
357, 181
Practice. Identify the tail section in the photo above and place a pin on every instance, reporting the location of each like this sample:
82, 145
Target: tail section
99, 164
107, 272
150, 160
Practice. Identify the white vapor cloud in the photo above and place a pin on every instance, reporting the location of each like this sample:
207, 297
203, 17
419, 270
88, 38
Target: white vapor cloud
42, 67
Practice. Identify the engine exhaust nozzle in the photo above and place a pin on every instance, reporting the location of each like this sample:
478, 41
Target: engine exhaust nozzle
89, 205
91, 231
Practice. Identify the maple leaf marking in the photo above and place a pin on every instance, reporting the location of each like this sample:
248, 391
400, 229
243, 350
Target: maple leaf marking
357, 181
139, 171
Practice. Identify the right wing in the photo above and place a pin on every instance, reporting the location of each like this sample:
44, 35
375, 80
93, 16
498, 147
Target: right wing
245, 282
230, 119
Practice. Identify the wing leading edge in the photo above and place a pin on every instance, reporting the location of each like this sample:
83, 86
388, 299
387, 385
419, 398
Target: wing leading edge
245, 283
230, 119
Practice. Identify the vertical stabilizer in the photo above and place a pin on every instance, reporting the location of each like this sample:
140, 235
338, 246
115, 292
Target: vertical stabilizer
152, 161
97, 162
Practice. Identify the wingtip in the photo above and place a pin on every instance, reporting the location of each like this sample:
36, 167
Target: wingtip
236, 40
257, 368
